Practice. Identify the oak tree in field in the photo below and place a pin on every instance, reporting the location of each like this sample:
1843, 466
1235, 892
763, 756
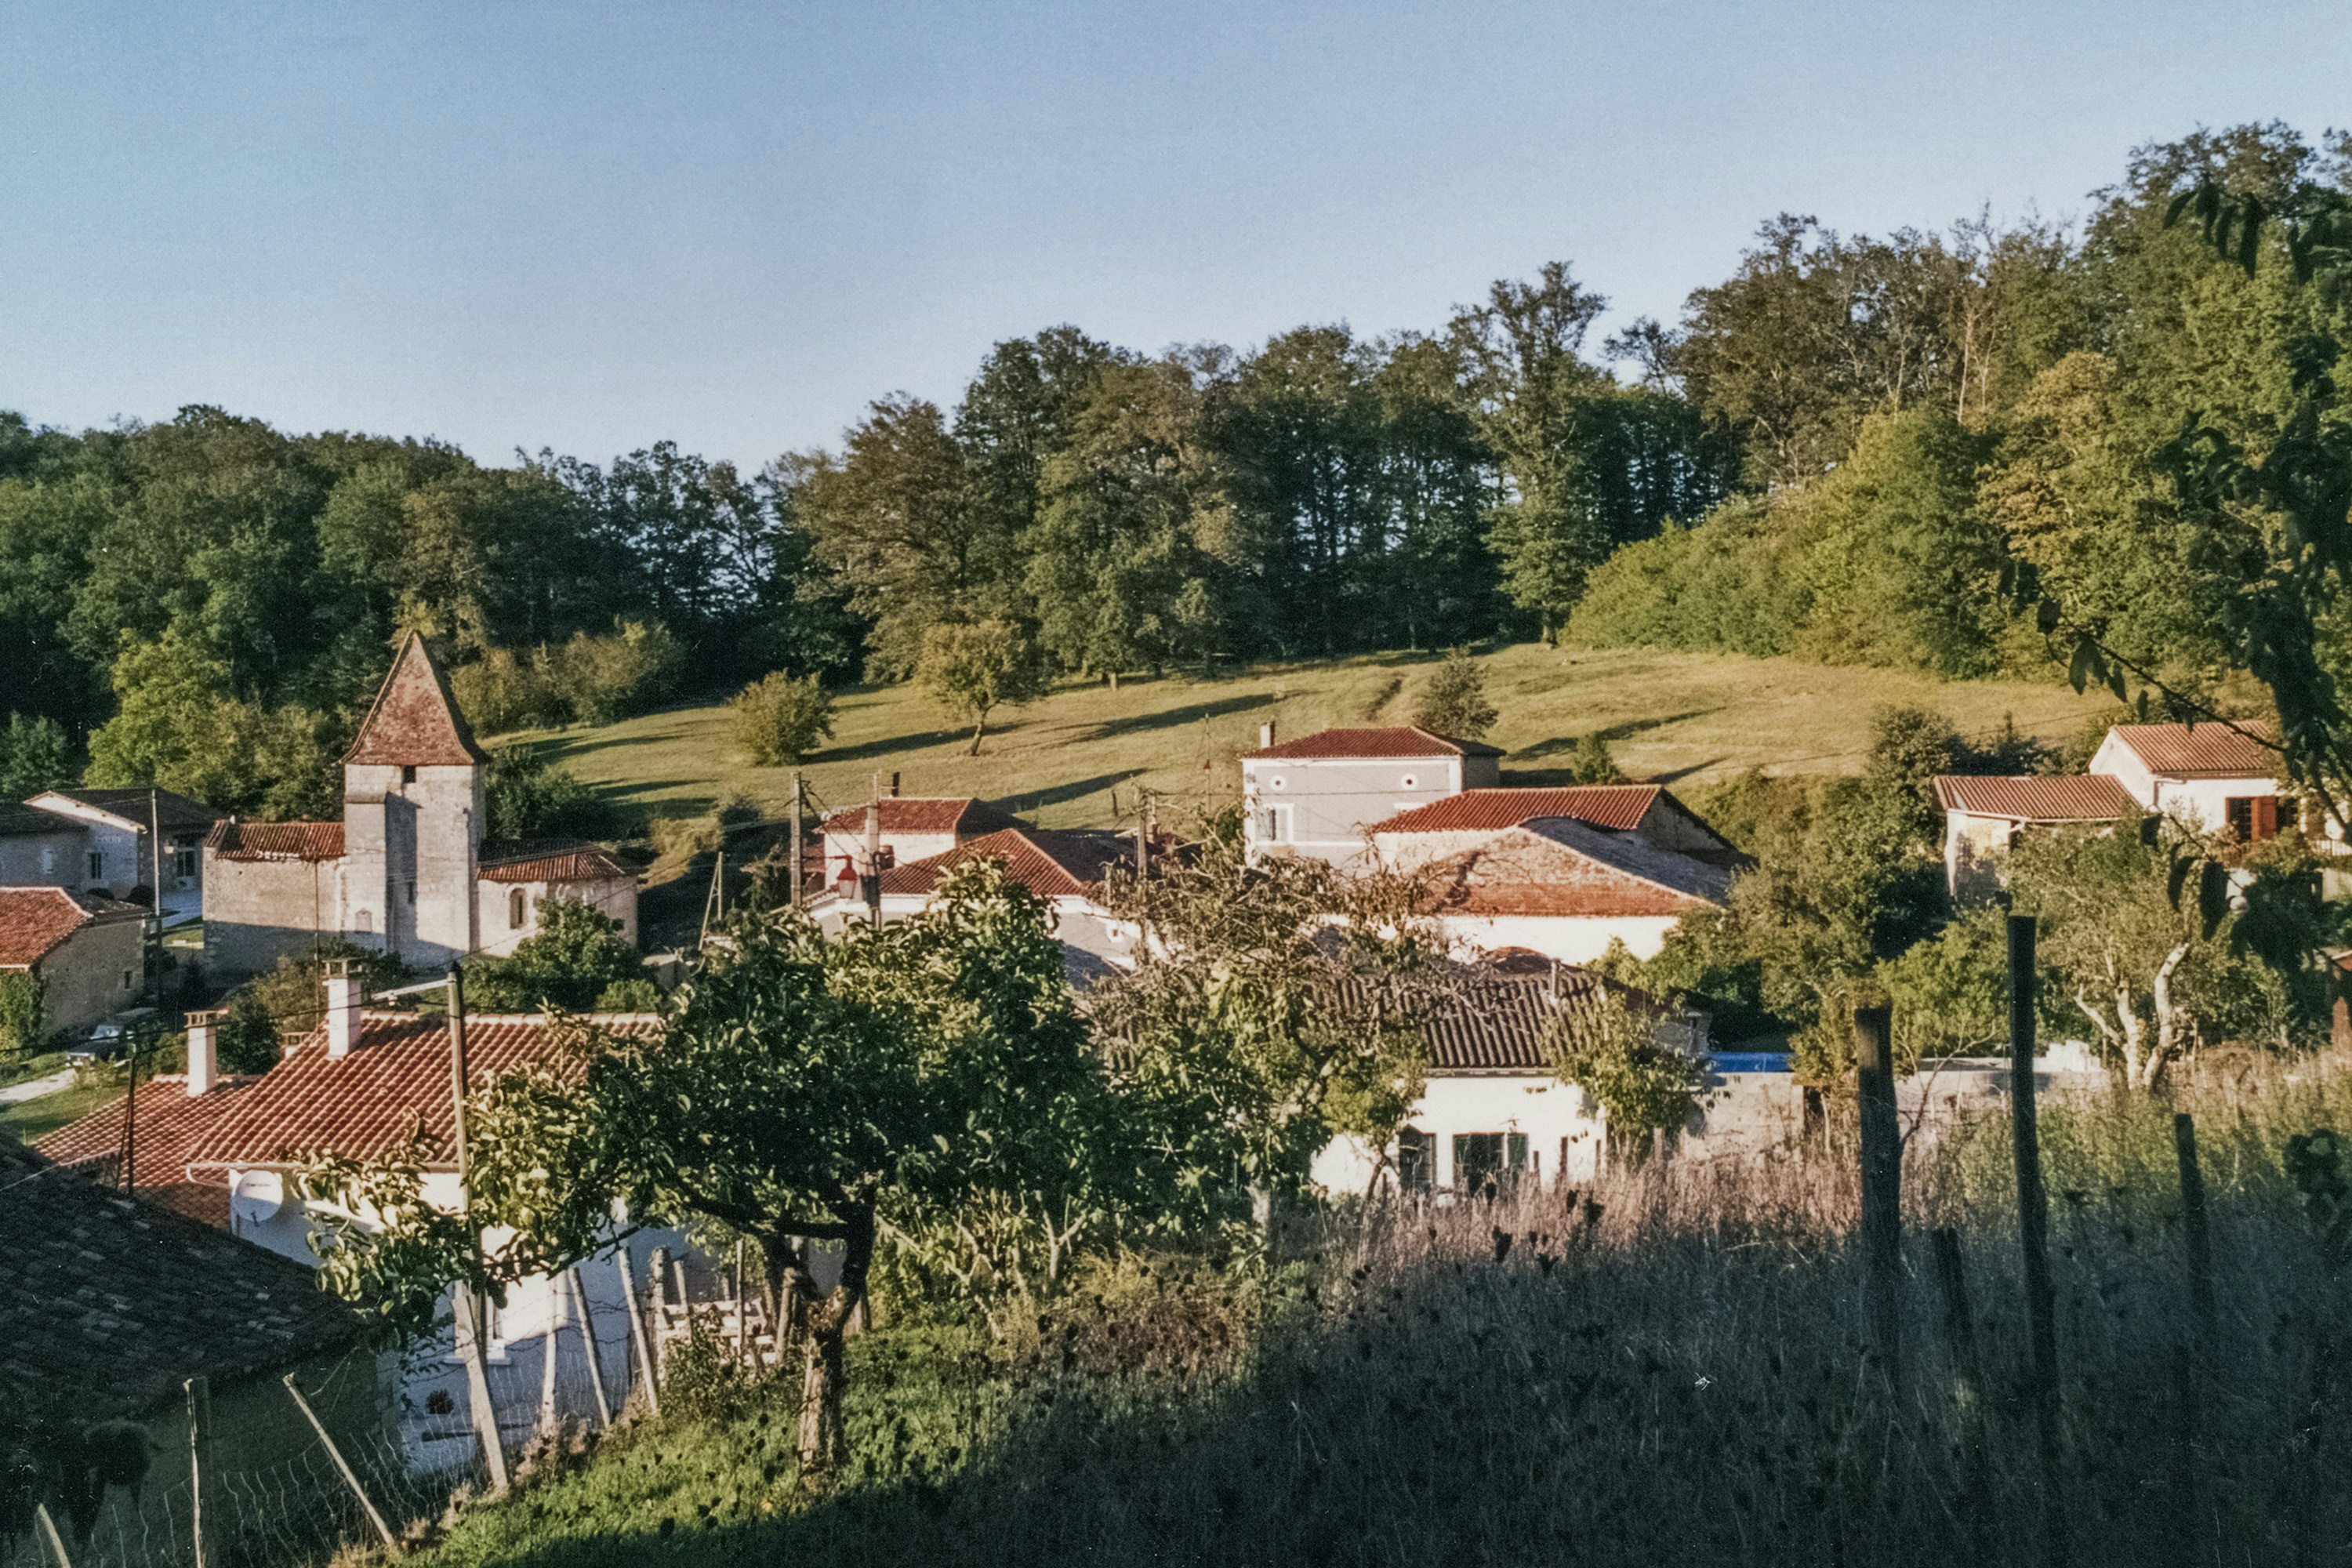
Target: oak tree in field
972, 670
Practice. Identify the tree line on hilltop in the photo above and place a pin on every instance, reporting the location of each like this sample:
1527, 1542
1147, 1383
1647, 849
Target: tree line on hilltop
1844, 451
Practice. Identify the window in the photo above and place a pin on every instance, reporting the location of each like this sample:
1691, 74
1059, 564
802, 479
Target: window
518, 906
363, 922
48, 859
97, 865
412, 892
408, 772
1273, 823
185, 861
2251, 817
1413, 1160
1483, 1158
126, 980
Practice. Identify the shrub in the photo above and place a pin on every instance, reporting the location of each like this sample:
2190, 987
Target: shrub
683, 837
24, 1014
528, 797
1592, 762
780, 720
1453, 699
247, 1038
1612, 1052
602, 678
576, 957
501, 691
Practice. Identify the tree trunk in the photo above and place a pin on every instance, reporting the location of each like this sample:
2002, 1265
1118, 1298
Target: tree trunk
2168, 1020
822, 1375
1262, 1215
978, 729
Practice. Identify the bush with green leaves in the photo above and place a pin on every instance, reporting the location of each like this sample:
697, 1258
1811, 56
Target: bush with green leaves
1592, 762
576, 960
781, 721
1453, 700
24, 1014
34, 755
1613, 1050
601, 678
974, 669
526, 794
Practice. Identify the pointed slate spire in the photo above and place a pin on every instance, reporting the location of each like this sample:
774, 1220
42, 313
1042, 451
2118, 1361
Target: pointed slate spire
414, 721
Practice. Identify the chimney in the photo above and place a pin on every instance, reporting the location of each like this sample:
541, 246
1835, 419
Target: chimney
1265, 735
343, 1009
204, 1053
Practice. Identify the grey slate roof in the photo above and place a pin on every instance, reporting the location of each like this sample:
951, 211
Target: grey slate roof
113, 1302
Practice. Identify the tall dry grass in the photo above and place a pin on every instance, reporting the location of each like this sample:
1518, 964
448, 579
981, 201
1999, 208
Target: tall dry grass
1666, 1367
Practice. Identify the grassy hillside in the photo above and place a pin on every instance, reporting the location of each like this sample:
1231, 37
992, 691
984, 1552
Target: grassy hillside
1686, 718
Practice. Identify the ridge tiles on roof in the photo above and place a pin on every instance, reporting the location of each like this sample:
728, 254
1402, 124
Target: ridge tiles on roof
1617, 806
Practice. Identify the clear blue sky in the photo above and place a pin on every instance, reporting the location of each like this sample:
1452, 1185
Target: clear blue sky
594, 226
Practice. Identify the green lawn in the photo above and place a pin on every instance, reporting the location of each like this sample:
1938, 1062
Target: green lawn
1684, 718
31, 1118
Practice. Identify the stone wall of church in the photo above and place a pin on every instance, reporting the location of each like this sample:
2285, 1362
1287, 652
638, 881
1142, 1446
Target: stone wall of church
413, 838
257, 912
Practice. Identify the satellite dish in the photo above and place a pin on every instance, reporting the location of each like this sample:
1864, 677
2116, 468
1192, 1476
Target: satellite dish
256, 1197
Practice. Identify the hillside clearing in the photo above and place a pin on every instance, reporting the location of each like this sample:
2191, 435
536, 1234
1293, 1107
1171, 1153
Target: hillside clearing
1076, 757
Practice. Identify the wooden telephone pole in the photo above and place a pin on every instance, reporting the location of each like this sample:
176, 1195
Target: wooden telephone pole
466, 1298
796, 849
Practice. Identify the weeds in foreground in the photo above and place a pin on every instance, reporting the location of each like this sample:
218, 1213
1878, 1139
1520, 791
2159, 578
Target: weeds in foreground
1663, 1368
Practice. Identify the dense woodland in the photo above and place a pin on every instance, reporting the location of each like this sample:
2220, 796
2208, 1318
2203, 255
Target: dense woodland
1841, 451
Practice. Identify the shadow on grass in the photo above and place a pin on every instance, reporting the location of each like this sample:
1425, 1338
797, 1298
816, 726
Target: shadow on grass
1672, 1387
1174, 718
916, 742
1076, 789
1625, 729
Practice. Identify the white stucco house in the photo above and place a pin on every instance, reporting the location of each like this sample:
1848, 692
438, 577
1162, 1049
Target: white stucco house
1063, 866
907, 828
365, 1083
2209, 776
1318, 794
1411, 840
406, 869
2208, 779
1561, 888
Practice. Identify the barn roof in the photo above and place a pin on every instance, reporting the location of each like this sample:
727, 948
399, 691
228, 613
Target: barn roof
35, 922
113, 1303
2036, 798
235, 840
173, 812
393, 1083
1400, 740
959, 815
414, 722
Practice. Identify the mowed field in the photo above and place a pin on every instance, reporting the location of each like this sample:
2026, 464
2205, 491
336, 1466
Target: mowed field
1078, 757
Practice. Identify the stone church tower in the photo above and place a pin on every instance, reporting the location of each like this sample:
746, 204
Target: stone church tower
413, 817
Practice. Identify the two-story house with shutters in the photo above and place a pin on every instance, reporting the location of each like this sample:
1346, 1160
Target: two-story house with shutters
135, 836
1319, 794
405, 870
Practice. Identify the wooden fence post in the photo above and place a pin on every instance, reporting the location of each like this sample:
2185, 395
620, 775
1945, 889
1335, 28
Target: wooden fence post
350, 1477
199, 1437
621, 1261
1968, 1390
2198, 1234
596, 1357
2034, 1229
1882, 1187
49, 1531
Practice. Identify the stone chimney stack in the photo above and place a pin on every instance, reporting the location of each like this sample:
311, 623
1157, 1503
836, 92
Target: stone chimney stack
1265, 735
343, 1009
204, 1053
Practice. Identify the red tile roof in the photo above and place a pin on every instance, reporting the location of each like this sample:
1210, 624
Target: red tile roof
1494, 1023
414, 722
2036, 798
1559, 867
235, 840
960, 814
1403, 741
1618, 807
1048, 863
2208, 750
373, 1100
35, 921
563, 863
169, 1124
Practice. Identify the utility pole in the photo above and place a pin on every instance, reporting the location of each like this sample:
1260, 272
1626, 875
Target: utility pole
465, 1298
795, 851
155, 880
130, 1121
1142, 832
873, 874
